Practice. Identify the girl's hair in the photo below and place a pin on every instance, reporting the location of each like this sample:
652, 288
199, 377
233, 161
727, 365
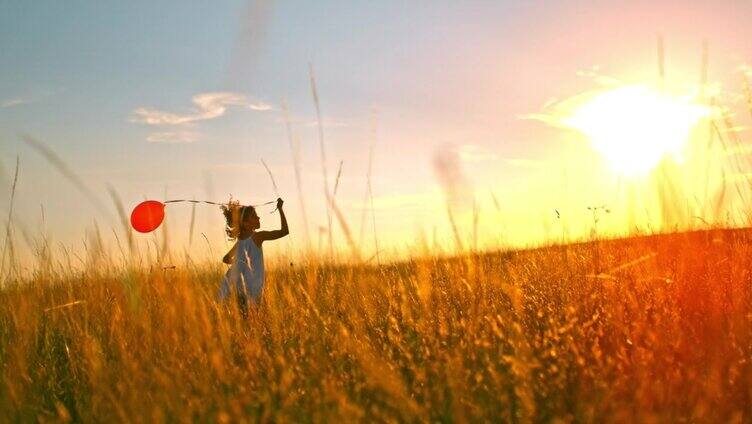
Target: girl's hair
234, 214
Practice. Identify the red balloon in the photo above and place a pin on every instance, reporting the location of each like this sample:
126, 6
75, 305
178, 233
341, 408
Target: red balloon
147, 216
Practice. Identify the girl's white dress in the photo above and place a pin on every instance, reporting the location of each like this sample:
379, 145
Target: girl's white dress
246, 275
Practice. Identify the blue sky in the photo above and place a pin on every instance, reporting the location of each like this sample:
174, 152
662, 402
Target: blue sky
437, 75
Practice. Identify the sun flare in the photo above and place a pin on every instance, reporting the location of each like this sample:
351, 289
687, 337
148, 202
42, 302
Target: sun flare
634, 127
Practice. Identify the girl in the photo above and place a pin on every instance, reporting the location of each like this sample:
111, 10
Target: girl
246, 275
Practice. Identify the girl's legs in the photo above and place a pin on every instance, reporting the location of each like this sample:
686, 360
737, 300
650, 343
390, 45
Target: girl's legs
243, 304
224, 288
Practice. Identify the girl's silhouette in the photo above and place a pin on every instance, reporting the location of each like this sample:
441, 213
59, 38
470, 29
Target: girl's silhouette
246, 257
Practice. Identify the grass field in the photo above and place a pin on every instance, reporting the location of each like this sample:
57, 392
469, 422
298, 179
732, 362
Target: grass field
649, 328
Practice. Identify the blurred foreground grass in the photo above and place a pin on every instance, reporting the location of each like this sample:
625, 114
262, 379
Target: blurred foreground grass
633, 330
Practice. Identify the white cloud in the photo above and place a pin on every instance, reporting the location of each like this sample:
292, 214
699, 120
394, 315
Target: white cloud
32, 97
259, 106
206, 106
173, 137
17, 101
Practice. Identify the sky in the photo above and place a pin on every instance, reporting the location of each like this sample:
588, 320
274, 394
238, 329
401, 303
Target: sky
169, 100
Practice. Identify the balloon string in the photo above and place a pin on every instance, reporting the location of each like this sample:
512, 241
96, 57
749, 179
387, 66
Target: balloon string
213, 203
193, 201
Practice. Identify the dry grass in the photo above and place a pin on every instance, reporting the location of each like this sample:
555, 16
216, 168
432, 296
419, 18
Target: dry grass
8, 243
645, 329
662, 334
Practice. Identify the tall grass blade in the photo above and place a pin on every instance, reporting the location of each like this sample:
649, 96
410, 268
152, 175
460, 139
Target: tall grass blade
295, 152
124, 221
345, 228
65, 171
8, 243
455, 230
369, 193
271, 177
192, 224
336, 180
322, 149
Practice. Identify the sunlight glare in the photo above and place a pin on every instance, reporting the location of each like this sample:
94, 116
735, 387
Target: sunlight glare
634, 127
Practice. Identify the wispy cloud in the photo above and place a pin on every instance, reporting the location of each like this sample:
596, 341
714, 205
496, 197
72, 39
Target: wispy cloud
173, 137
16, 101
594, 73
206, 106
34, 96
554, 109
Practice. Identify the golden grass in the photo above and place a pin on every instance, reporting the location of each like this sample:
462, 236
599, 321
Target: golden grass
8, 243
645, 329
662, 333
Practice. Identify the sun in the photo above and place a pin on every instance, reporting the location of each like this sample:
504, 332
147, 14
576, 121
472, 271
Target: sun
634, 127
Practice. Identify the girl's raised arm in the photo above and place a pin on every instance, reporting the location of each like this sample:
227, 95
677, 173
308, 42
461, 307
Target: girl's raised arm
283, 230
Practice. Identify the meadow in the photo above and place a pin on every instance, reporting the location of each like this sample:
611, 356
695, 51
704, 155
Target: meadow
651, 328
